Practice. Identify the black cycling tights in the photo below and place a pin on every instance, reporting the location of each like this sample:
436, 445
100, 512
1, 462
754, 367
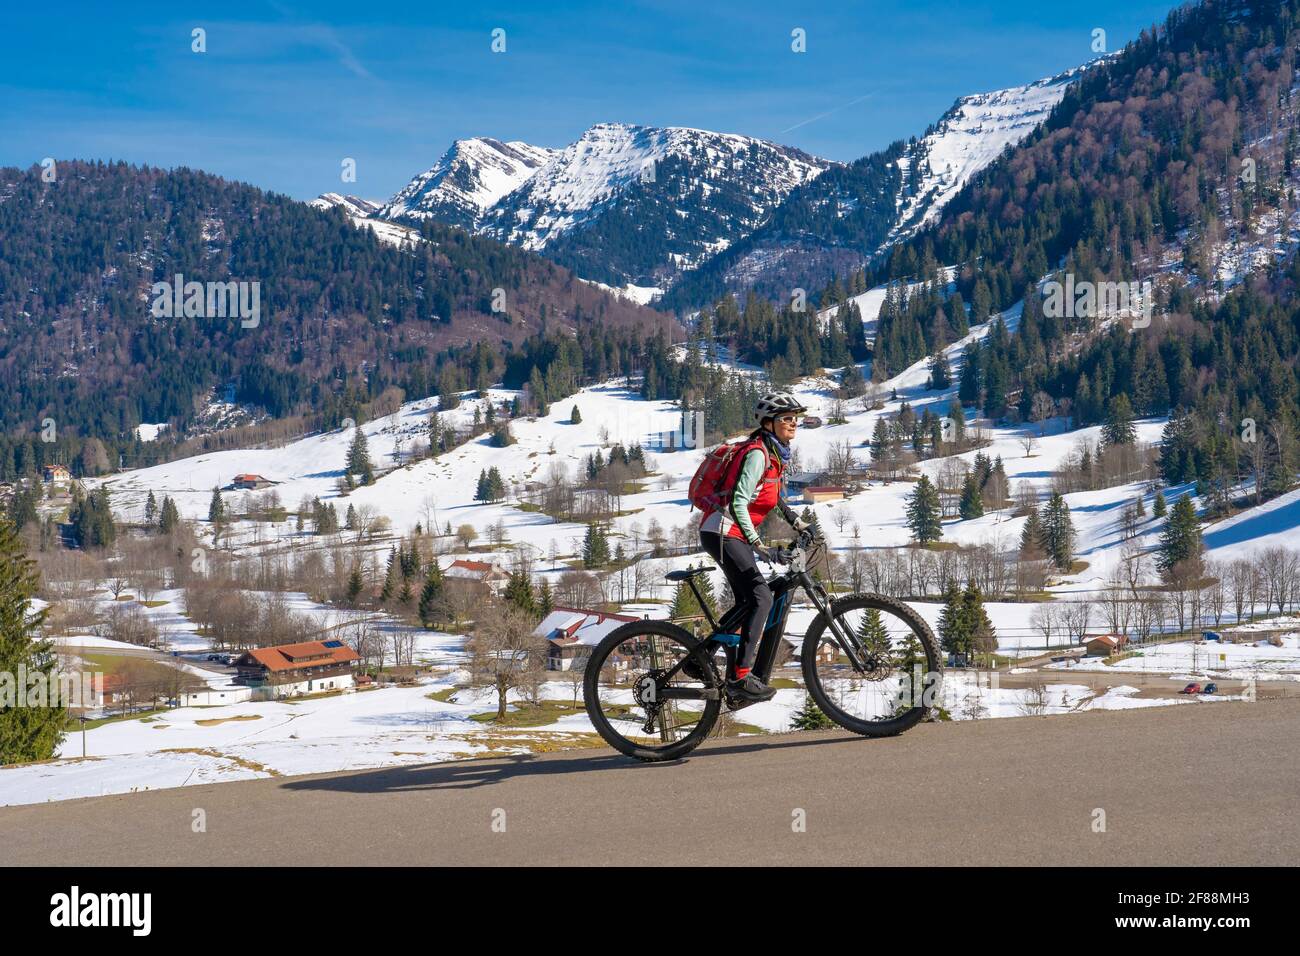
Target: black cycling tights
736, 557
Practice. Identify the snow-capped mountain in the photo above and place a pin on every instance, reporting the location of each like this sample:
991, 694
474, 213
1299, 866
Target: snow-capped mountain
367, 212
704, 212
973, 133
467, 181
352, 205
623, 205
612, 160
838, 222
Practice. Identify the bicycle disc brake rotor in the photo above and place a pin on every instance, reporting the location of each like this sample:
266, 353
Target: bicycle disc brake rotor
878, 667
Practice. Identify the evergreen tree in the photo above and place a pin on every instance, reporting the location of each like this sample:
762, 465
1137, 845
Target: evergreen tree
950, 621
809, 716
431, 595
519, 592
977, 628
1058, 532
880, 441
923, 512
496, 486
168, 517
1119, 429
217, 508
873, 634
150, 510
358, 461
389, 589
355, 585
91, 517
545, 600
940, 376
964, 625
1181, 538
1158, 507
684, 603
595, 548
26, 733
910, 665
22, 506
575, 417
436, 435
1031, 538
972, 502
483, 492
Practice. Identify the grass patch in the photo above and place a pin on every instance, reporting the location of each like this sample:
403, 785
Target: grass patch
528, 715
538, 745
155, 603
145, 715
214, 721
237, 761
1077, 566
446, 694
1122, 656
784, 683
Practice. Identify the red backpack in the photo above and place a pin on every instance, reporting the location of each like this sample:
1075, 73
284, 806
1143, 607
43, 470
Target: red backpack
711, 485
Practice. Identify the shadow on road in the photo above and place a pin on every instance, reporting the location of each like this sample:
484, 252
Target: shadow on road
485, 771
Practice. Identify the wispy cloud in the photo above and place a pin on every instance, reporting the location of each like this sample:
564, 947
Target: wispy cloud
829, 112
324, 37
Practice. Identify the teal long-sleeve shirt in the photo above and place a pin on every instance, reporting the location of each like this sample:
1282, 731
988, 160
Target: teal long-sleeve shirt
748, 483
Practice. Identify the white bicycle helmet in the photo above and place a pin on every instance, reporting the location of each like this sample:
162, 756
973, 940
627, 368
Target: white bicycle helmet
776, 403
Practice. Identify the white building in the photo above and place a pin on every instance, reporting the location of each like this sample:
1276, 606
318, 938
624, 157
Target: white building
216, 696
489, 575
310, 667
573, 632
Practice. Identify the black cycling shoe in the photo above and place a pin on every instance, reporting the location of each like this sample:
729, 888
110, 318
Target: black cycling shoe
750, 689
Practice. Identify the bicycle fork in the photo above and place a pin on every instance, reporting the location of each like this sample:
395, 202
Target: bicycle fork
846, 641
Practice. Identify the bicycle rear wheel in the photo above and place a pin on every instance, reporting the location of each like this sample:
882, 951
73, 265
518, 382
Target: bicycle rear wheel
903, 672
641, 699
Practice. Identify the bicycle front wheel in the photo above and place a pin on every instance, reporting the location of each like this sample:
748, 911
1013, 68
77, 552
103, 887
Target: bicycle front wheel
651, 692
896, 678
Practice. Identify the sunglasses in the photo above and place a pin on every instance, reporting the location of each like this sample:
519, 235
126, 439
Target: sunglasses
789, 420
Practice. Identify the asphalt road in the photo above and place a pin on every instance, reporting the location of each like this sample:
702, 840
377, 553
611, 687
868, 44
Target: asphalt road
1201, 784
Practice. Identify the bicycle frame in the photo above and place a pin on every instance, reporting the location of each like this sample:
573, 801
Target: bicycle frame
774, 630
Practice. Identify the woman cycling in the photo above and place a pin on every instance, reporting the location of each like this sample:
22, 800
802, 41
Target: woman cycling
730, 534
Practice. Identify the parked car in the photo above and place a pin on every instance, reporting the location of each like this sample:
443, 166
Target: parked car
810, 421
1192, 688
1212, 636
1210, 688
214, 657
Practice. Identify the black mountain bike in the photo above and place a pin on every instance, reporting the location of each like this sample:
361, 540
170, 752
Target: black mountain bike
654, 691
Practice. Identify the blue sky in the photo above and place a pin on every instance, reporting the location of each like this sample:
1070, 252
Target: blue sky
286, 90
